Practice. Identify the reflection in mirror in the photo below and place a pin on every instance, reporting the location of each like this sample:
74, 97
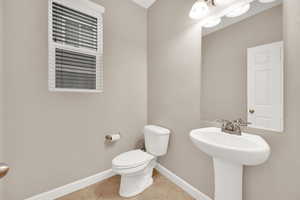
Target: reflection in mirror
242, 68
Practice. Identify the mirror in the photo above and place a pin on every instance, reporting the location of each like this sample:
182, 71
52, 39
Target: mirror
243, 70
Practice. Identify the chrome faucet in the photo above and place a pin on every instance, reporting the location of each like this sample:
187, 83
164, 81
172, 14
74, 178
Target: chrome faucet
233, 127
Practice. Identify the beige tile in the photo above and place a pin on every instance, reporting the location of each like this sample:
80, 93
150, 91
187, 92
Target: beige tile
162, 189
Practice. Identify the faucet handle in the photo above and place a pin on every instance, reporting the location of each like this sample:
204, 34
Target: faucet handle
222, 121
226, 124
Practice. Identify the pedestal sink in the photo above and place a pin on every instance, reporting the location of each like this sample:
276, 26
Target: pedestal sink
230, 153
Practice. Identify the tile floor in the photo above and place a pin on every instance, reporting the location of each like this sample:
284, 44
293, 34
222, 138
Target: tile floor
162, 189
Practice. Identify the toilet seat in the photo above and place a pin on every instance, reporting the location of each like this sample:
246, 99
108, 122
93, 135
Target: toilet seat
131, 159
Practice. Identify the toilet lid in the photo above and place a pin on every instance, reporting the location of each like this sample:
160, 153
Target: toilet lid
131, 159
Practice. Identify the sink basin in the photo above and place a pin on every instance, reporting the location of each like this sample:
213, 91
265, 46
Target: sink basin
246, 149
230, 153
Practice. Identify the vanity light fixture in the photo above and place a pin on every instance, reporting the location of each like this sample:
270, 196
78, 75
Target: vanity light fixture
266, 1
223, 2
238, 10
204, 10
211, 22
201, 8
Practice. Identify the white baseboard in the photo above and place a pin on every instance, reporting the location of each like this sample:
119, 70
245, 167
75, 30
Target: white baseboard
72, 187
182, 183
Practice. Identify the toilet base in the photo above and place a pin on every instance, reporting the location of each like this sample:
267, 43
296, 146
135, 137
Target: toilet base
134, 184
130, 188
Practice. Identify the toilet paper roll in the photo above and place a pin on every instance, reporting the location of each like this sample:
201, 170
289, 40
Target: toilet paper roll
113, 138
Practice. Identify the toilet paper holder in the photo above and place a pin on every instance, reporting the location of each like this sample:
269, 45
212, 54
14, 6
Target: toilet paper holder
113, 137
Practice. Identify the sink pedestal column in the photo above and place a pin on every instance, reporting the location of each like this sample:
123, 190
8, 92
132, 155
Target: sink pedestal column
228, 180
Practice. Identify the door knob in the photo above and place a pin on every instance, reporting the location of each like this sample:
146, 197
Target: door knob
3, 169
251, 111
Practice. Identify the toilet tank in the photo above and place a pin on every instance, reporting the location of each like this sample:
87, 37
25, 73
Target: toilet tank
156, 140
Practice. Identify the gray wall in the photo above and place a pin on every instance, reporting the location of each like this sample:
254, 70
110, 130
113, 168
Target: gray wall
224, 63
174, 101
52, 139
174, 78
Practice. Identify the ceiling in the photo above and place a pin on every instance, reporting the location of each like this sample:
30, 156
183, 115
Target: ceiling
144, 3
255, 9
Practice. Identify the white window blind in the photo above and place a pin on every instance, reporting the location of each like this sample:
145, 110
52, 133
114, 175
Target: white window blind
75, 46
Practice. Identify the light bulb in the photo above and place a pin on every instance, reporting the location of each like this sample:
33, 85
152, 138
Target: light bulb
266, 1
199, 10
211, 22
223, 2
236, 11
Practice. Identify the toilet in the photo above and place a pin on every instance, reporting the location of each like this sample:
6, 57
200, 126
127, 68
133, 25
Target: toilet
136, 166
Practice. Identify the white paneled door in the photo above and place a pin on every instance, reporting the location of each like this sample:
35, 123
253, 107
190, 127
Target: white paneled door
265, 86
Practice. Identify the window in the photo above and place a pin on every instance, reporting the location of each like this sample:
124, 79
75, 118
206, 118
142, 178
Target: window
75, 46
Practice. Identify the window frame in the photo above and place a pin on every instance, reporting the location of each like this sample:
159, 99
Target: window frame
89, 8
